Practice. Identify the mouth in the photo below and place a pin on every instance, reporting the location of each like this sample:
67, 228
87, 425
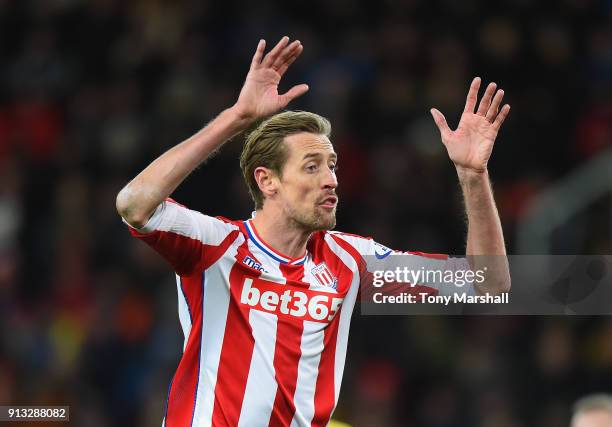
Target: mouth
329, 202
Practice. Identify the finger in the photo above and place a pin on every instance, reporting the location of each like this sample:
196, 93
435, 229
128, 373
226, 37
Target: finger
470, 102
261, 47
501, 116
440, 121
293, 93
283, 68
485, 102
287, 52
276, 50
494, 108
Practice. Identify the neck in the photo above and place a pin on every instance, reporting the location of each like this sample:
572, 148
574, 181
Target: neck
280, 233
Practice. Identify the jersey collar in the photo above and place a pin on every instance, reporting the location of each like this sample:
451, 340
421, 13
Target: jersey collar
268, 250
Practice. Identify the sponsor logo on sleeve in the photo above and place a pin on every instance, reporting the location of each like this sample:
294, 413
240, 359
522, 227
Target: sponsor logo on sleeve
380, 251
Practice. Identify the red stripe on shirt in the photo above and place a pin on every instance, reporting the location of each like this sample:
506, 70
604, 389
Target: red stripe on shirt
325, 399
365, 277
426, 255
182, 253
185, 254
287, 355
211, 254
182, 394
236, 353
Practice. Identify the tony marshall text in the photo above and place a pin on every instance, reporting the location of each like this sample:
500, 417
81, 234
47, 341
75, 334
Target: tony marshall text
425, 298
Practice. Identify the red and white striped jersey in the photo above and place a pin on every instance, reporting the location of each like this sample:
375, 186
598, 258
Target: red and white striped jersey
265, 334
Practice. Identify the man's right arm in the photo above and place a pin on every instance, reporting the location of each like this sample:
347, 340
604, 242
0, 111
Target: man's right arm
258, 98
137, 200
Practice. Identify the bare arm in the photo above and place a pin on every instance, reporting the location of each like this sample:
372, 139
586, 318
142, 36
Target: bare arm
485, 235
470, 147
258, 98
485, 238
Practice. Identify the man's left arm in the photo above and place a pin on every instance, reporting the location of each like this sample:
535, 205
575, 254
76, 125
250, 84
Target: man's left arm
470, 147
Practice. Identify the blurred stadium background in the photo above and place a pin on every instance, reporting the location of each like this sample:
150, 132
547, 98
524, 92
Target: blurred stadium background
92, 91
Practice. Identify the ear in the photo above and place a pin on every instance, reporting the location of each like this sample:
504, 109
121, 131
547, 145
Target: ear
267, 181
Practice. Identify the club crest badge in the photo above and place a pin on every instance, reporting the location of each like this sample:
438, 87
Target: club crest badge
322, 275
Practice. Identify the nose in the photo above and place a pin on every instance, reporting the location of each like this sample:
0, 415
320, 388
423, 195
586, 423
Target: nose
330, 181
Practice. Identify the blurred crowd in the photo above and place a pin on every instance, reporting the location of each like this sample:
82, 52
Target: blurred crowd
92, 91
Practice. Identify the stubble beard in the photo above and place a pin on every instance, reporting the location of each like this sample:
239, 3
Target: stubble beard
314, 220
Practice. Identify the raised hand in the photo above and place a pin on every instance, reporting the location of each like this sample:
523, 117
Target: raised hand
471, 144
259, 96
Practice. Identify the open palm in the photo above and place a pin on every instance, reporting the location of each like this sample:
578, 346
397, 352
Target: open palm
471, 144
259, 96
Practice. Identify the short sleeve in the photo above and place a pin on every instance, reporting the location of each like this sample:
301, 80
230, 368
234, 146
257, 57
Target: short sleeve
440, 272
185, 238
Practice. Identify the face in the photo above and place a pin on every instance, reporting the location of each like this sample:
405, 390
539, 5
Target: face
593, 418
307, 188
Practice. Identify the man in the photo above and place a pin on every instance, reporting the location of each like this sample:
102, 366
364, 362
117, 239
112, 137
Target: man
265, 304
593, 411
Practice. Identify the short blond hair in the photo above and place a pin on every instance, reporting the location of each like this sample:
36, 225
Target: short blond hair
265, 146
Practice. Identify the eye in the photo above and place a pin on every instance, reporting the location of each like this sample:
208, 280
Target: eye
333, 167
312, 167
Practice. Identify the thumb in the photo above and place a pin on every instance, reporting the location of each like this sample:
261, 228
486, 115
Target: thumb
440, 122
293, 93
